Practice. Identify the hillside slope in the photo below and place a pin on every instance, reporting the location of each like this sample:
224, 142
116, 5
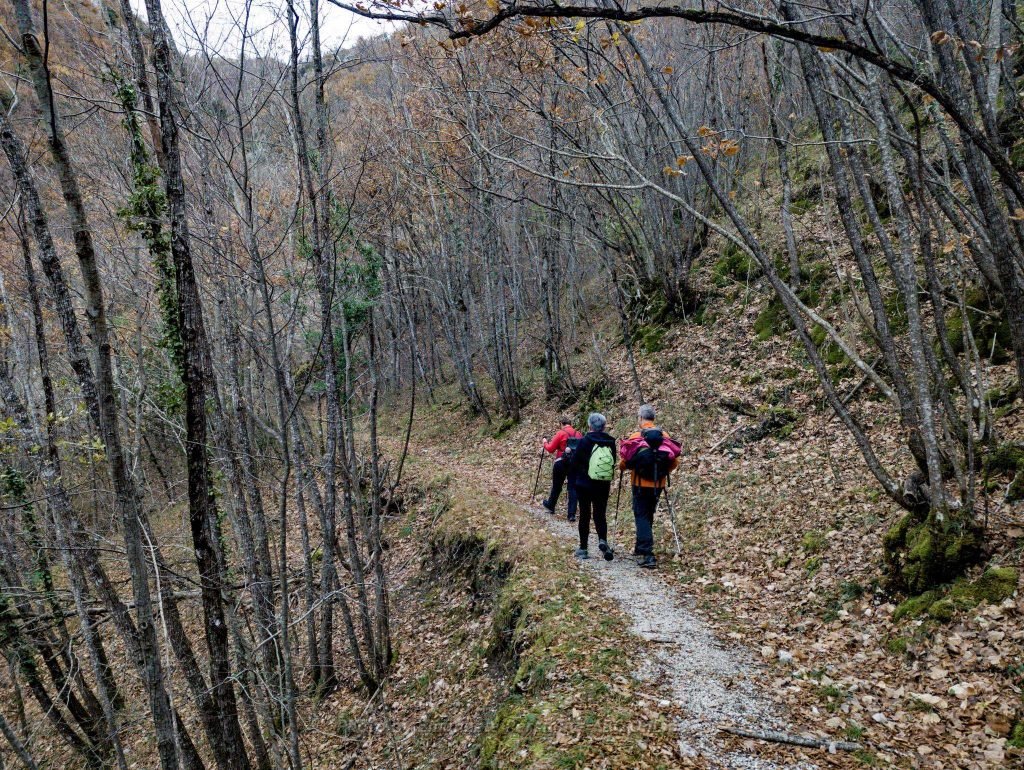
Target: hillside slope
781, 544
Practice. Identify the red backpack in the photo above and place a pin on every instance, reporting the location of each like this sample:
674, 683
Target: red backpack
650, 454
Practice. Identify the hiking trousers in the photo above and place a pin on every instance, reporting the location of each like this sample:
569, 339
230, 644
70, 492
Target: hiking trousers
559, 475
593, 500
645, 501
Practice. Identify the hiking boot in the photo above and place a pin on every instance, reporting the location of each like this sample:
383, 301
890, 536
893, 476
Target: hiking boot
647, 561
606, 549
571, 518
582, 553
547, 506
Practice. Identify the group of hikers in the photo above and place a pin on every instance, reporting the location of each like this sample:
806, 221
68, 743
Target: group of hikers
586, 465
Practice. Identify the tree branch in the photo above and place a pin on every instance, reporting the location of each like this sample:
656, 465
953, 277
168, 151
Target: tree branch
465, 27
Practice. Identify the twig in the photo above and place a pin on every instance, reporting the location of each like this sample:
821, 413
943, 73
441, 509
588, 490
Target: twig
726, 437
795, 740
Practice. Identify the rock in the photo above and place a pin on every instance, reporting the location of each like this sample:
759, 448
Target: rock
963, 690
931, 700
880, 718
785, 656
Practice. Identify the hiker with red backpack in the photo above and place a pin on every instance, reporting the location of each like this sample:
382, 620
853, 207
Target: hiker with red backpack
593, 463
650, 455
562, 445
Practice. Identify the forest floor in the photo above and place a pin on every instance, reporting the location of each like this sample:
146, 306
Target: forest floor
780, 560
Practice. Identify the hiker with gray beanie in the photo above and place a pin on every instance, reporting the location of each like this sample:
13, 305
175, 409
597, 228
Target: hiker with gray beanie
594, 466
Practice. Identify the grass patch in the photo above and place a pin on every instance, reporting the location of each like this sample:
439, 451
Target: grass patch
813, 542
866, 758
897, 645
833, 695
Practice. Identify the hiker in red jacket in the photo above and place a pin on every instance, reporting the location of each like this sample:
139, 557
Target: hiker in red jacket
565, 439
650, 455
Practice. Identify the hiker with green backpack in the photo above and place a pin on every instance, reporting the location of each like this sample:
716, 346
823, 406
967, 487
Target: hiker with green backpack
593, 463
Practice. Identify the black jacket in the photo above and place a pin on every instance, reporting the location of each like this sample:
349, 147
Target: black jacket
581, 457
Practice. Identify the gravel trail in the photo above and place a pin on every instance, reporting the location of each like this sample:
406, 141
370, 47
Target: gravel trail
710, 681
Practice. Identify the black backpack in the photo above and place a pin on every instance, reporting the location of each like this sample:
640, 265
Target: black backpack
648, 463
570, 448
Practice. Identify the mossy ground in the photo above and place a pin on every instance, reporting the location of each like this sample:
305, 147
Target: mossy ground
988, 325
1006, 461
993, 586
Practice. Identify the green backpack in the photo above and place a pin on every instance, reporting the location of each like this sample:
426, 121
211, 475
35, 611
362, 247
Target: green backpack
602, 464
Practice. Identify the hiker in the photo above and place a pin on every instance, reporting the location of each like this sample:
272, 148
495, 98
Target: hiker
650, 455
594, 464
561, 446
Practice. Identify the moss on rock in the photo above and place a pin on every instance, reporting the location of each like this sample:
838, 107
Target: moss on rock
1016, 739
942, 610
897, 535
924, 553
916, 605
1015, 492
920, 561
897, 645
772, 320
651, 338
996, 584
1007, 459
989, 327
1003, 396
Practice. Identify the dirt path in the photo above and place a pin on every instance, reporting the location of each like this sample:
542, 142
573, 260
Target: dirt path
711, 682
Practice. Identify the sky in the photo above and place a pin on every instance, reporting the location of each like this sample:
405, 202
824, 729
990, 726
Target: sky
220, 22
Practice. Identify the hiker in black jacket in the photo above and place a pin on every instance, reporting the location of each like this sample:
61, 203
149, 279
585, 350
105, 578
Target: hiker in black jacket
594, 465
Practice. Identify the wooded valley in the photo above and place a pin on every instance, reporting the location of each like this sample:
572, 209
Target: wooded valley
287, 312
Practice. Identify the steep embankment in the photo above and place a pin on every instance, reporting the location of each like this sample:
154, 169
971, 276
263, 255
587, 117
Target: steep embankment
780, 537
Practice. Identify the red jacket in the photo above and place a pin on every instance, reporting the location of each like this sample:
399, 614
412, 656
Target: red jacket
557, 443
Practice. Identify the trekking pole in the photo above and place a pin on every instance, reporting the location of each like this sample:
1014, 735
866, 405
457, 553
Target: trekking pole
672, 519
536, 482
618, 500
